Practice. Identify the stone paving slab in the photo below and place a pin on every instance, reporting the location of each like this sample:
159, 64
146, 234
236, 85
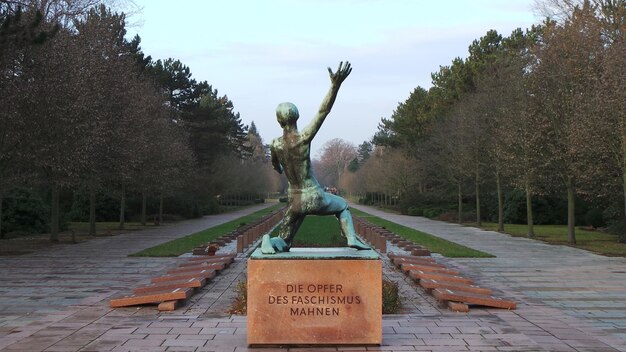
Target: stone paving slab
69, 312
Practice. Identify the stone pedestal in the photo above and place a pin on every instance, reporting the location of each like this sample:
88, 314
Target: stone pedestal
315, 296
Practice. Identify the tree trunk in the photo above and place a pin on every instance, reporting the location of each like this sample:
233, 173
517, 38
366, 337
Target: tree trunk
571, 212
54, 213
500, 203
460, 204
160, 209
1, 234
624, 167
478, 222
123, 207
92, 209
143, 207
529, 212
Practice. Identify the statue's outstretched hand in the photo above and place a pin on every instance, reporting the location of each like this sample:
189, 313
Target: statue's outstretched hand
342, 72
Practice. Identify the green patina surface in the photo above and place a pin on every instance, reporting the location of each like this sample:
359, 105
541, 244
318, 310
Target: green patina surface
318, 253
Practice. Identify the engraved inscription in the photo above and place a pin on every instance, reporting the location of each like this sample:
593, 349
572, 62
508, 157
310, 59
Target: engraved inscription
314, 299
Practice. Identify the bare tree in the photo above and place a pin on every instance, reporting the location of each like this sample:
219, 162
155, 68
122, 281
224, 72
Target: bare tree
334, 158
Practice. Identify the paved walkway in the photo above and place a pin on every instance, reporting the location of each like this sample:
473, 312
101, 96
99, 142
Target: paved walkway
586, 291
569, 300
59, 295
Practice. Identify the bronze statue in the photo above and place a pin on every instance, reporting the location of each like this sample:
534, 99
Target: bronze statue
291, 155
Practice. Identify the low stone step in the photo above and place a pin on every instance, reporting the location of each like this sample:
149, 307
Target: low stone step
443, 294
201, 251
170, 285
431, 284
453, 306
394, 256
221, 255
421, 252
186, 269
207, 260
153, 297
206, 273
169, 306
399, 262
418, 274
425, 268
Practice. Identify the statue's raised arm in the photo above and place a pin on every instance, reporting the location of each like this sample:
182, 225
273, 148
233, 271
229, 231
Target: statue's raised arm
336, 79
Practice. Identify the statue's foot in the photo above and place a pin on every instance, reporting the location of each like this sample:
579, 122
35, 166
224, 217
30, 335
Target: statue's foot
271, 245
280, 245
266, 245
354, 242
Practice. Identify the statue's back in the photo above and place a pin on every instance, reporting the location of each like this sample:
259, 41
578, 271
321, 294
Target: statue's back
295, 157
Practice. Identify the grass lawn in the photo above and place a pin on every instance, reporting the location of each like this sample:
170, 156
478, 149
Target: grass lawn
186, 244
433, 243
594, 241
318, 231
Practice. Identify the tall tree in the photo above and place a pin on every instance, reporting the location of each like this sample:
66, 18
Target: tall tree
21, 29
568, 64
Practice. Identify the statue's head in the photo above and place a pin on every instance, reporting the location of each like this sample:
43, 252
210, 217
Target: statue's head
287, 114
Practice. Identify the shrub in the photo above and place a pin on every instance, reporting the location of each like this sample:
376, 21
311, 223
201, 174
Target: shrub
432, 213
195, 211
613, 212
172, 217
23, 211
594, 217
515, 207
415, 211
448, 217
107, 207
391, 298
618, 228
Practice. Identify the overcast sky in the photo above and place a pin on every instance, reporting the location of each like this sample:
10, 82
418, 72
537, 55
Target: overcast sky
262, 53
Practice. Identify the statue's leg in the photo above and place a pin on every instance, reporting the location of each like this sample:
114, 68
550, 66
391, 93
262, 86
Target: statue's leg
290, 228
347, 228
282, 243
339, 207
290, 224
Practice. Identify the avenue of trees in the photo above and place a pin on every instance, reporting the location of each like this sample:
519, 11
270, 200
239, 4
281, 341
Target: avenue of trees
529, 127
92, 128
